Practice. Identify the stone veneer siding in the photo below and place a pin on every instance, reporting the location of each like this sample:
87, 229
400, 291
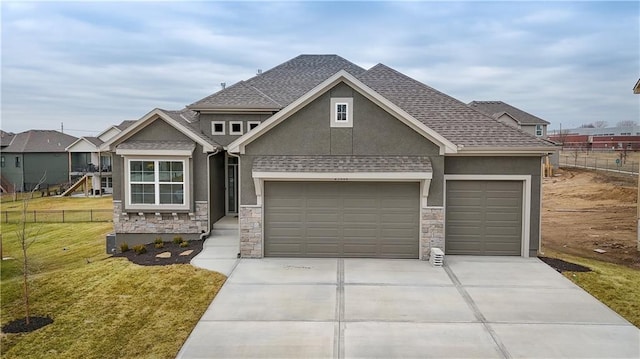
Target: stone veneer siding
133, 222
431, 230
251, 241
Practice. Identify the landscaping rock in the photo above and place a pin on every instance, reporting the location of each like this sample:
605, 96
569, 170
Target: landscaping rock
186, 253
164, 255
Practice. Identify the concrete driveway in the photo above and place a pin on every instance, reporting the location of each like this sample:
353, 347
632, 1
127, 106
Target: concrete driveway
474, 307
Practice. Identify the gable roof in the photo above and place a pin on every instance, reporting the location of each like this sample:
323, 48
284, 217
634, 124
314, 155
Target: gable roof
446, 115
342, 76
636, 88
33, 141
94, 141
182, 120
496, 109
278, 87
6, 138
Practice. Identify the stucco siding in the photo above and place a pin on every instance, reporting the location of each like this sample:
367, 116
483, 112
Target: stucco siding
308, 132
506, 166
207, 119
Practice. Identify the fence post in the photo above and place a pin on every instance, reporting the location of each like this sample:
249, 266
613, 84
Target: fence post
35, 220
63, 216
596, 164
6, 217
91, 215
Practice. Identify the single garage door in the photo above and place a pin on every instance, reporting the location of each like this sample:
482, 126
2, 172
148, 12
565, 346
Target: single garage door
484, 217
341, 219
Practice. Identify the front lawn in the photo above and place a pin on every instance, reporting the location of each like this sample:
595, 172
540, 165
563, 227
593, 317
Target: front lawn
102, 307
615, 285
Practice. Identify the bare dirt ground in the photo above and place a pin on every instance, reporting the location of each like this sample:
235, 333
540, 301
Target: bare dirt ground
585, 210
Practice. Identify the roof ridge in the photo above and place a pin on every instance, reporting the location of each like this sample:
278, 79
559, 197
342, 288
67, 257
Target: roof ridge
265, 95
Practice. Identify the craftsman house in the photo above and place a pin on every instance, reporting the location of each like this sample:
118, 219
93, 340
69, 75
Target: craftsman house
319, 157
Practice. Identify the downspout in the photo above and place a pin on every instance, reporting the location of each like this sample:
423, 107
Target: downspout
215, 152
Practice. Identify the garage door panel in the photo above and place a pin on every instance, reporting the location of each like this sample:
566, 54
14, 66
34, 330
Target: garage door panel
344, 219
483, 217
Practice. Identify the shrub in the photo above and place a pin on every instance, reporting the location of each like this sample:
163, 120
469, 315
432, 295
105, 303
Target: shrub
158, 240
184, 244
124, 247
159, 245
140, 249
177, 240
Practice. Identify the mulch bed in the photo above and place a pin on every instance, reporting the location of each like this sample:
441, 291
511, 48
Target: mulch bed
150, 259
564, 266
20, 325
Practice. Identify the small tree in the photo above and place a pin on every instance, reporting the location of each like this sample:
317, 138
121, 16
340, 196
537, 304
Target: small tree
626, 123
27, 238
600, 124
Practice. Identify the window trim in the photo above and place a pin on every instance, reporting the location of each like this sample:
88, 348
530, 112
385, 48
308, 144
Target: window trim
539, 130
213, 128
335, 101
252, 123
231, 131
18, 162
186, 167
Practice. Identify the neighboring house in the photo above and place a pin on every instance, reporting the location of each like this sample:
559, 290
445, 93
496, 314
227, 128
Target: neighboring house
512, 116
319, 157
636, 88
86, 159
32, 154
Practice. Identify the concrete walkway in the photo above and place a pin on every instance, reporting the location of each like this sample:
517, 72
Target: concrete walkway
220, 250
474, 307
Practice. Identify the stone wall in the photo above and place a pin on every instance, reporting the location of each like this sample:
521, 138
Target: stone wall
251, 241
146, 222
431, 230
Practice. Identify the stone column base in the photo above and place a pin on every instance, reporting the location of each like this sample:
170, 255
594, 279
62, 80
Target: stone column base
431, 230
251, 241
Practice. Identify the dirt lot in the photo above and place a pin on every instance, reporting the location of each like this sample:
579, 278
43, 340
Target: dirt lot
585, 210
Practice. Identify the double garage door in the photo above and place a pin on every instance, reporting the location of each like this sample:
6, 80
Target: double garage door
484, 217
342, 219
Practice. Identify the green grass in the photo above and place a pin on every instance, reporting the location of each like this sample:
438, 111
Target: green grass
615, 285
75, 203
102, 307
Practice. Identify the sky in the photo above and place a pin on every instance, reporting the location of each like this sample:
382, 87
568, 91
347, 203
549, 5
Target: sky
90, 65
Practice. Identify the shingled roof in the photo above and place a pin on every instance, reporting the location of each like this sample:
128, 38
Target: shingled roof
367, 164
6, 138
40, 141
449, 117
276, 88
496, 109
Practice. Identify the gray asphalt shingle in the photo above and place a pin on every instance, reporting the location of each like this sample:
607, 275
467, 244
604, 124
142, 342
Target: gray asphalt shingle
351, 164
497, 108
40, 141
157, 145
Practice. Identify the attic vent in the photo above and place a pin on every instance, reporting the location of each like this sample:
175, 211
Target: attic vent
223, 85
259, 72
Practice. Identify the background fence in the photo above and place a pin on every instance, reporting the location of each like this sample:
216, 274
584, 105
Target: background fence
58, 216
592, 161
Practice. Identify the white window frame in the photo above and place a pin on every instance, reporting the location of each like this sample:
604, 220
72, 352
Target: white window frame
213, 128
231, 131
335, 101
252, 123
539, 130
186, 195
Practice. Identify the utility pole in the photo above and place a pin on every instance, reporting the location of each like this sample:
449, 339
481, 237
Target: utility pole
62, 127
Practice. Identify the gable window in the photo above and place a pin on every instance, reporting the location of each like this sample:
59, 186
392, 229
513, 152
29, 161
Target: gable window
341, 112
538, 130
157, 184
17, 162
236, 127
253, 124
217, 128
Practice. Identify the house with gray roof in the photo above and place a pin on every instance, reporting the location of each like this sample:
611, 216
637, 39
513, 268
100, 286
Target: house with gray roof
319, 157
512, 116
32, 154
90, 165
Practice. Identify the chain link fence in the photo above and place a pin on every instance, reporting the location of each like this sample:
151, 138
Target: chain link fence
58, 216
595, 162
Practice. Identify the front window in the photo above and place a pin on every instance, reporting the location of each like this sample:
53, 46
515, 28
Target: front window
538, 130
17, 162
2, 161
157, 182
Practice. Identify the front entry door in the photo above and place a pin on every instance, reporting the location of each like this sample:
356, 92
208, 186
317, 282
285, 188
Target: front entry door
232, 186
